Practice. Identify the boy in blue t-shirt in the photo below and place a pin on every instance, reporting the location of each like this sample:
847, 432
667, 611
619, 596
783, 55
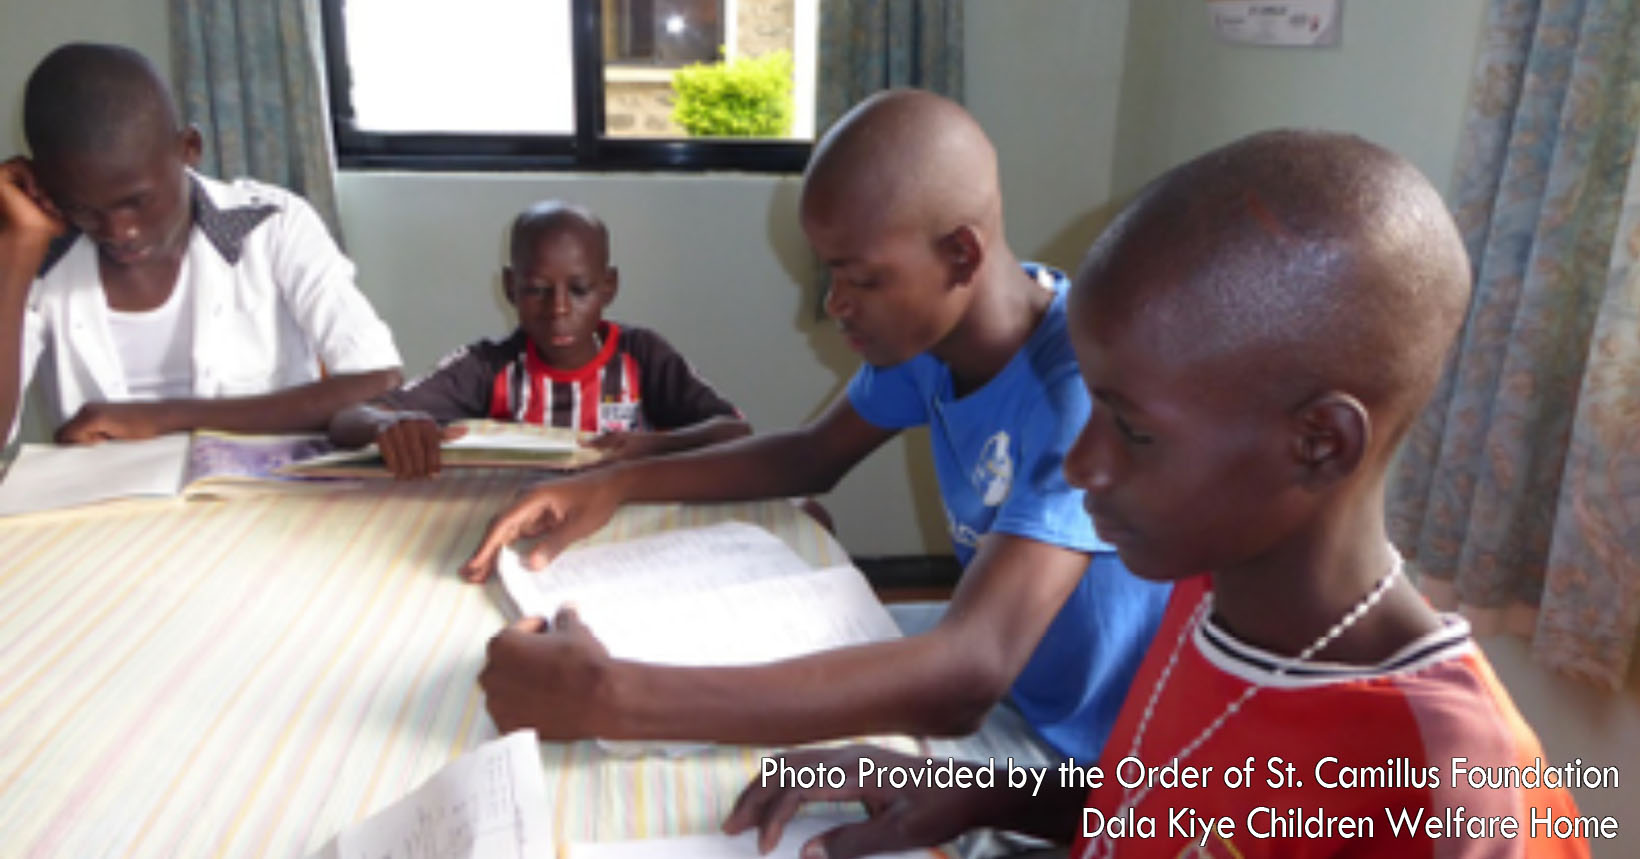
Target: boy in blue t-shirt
901, 202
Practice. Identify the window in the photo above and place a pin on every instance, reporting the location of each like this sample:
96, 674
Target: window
566, 84
663, 32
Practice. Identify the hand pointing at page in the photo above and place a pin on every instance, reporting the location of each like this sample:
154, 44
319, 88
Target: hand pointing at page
554, 515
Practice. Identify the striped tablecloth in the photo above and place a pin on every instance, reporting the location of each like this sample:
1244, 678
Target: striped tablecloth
246, 677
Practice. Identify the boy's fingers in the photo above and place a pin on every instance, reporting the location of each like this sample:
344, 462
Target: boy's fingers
428, 438
772, 823
549, 546
528, 624
872, 835
746, 810
567, 619
426, 446
482, 563
390, 457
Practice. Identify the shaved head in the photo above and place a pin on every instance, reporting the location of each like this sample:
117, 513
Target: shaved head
907, 159
550, 218
91, 99
1307, 261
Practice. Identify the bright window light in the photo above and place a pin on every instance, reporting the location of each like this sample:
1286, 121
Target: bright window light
481, 66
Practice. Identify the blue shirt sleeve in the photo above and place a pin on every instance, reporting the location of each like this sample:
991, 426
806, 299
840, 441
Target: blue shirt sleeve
1041, 505
890, 397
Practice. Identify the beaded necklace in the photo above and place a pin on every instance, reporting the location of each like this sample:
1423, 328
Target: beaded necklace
1104, 845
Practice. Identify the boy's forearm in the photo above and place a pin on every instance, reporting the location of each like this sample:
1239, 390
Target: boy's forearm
777, 465
305, 408
358, 425
912, 685
17, 268
704, 434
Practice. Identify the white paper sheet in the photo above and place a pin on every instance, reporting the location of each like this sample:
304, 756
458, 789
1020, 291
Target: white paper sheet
745, 623
490, 803
649, 569
725, 594
48, 477
503, 440
742, 846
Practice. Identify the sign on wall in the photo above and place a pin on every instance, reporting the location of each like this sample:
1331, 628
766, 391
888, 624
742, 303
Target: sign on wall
1294, 23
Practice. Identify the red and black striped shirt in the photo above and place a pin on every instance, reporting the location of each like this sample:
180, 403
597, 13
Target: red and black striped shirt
637, 381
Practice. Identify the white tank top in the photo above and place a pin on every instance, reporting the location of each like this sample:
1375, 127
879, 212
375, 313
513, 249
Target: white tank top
156, 346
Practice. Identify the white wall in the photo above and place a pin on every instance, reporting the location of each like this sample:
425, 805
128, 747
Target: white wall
29, 29
1399, 77
1045, 79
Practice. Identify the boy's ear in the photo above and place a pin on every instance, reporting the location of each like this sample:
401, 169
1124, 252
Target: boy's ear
507, 285
1331, 437
612, 284
963, 251
192, 145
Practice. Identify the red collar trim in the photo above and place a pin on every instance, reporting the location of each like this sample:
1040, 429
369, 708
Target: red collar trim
539, 367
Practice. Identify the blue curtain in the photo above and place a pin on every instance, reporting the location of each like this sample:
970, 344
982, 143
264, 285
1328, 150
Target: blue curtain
247, 72
1518, 494
870, 45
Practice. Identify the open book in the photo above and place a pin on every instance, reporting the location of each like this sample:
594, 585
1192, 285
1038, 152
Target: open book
725, 594
486, 444
204, 464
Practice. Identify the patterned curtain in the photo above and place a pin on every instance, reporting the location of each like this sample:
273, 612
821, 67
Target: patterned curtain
870, 45
248, 74
1518, 495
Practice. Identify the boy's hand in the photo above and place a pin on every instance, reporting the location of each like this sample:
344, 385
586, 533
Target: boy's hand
409, 442
26, 214
558, 512
96, 422
898, 819
619, 445
545, 678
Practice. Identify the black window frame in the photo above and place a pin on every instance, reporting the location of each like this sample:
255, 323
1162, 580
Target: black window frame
587, 150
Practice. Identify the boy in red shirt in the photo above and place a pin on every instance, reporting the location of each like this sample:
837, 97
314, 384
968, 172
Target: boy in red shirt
565, 365
1258, 330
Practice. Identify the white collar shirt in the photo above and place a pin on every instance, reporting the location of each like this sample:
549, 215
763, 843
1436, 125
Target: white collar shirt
274, 300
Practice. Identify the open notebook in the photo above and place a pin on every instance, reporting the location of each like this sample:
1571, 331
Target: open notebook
45, 477
486, 444
725, 594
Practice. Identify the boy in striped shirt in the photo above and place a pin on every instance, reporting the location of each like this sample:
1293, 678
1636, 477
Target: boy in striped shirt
564, 366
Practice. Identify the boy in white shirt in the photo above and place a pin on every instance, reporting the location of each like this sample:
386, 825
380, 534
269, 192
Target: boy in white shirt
163, 300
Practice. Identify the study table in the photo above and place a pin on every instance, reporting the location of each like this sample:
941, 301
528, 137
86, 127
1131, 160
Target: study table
247, 677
